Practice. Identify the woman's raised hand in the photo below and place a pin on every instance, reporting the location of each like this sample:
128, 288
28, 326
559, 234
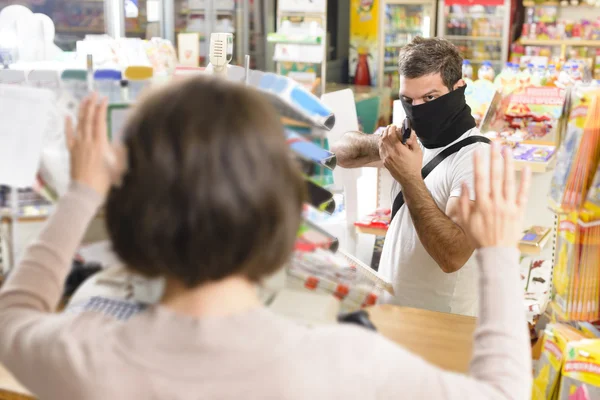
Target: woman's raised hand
90, 150
495, 218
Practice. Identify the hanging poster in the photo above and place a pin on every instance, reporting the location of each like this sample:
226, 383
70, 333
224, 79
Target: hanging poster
364, 21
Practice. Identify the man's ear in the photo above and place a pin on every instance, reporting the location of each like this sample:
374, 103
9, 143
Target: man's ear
459, 84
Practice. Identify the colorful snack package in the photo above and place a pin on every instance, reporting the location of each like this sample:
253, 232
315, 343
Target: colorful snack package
581, 371
563, 274
547, 374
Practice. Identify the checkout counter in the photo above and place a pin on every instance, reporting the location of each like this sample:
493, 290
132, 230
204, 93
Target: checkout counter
445, 340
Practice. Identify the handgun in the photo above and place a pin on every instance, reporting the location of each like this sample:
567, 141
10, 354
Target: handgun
406, 130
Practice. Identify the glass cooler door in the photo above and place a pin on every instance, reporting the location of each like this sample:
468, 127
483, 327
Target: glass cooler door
400, 23
479, 29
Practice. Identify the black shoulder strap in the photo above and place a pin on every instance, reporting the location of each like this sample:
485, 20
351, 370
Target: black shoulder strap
448, 151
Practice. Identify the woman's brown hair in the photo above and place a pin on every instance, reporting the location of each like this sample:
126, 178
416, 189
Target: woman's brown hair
211, 189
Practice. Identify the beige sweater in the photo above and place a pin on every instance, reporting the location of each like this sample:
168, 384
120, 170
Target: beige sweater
257, 355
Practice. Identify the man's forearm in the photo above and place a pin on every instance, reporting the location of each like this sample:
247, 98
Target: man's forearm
356, 149
444, 240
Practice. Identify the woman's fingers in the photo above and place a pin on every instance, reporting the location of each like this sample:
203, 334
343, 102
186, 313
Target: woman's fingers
509, 176
465, 203
496, 174
99, 130
482, 183
87, 119
523, 194
69, 133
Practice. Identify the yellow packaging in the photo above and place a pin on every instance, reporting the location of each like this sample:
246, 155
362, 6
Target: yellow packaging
581, 371
592, 204
565, 264
547, 374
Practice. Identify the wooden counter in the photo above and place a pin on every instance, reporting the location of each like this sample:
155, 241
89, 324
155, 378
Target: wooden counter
10, 389
445, 340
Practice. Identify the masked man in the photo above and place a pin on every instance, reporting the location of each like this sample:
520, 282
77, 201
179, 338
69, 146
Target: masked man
426, 254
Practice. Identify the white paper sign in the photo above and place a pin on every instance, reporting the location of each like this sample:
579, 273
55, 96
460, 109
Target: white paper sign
24, 115
306, 6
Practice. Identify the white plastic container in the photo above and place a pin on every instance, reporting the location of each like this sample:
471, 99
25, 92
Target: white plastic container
486, 72
467, 70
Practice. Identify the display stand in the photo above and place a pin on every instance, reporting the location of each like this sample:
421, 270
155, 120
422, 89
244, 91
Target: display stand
299, 54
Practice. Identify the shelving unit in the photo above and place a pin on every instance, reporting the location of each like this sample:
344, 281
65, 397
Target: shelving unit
559, 32
296, 53
479, 28
536, 167
562, 43
474, 38
399, 22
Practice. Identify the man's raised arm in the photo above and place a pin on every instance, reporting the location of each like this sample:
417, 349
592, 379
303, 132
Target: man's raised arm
356, 149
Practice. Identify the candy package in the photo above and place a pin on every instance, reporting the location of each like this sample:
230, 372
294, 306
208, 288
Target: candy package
567, 239
581, 371
536, 111
547, 373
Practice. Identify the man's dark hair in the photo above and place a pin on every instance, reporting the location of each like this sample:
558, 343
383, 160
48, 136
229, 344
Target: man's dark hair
430, 56
211, 189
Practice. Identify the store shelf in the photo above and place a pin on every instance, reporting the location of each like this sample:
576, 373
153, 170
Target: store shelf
560, 42
77, 29
531, 250
474, 16
294, 39
536, 167
474, 38
390, 68
395, 44
545, 4
482, 61
371, 231
92, 31
417, 31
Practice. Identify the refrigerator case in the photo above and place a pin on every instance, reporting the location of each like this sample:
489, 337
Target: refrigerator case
479, 28
400, 21
378, 29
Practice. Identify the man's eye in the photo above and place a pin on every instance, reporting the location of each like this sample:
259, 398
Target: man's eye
406, 99
429, 98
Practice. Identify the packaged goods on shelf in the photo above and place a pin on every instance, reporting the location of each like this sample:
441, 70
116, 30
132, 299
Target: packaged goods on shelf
312, 237
324, 272
576, 273
579, 153
544, 23
589, 329
535, 239
528, 120
580, 378
548, 369
591, 206
479, 95
578, 246
560, 33
380, 220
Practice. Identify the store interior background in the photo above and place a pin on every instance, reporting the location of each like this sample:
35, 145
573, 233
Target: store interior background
251, 21
345, 52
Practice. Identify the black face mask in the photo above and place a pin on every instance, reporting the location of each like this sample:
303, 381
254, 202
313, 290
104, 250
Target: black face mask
441, 121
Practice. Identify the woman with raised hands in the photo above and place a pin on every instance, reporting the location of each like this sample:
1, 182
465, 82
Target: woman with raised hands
203, 192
